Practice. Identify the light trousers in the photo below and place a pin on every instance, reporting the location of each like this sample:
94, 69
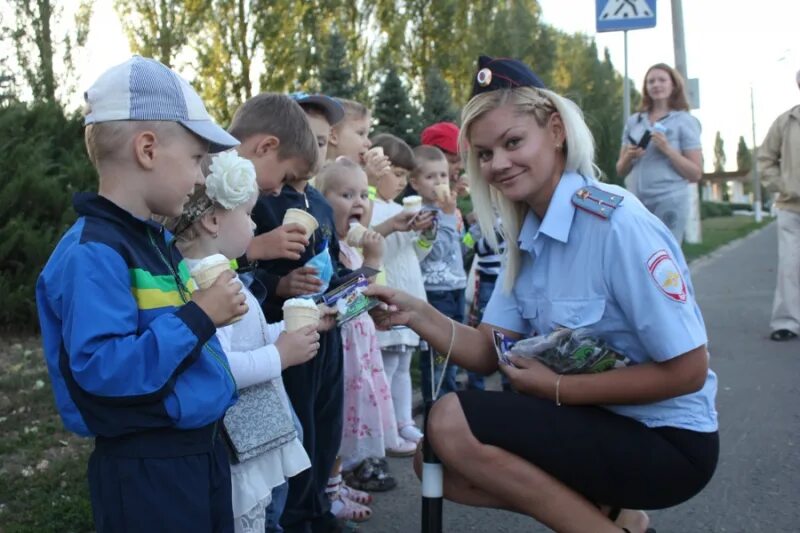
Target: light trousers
786, 305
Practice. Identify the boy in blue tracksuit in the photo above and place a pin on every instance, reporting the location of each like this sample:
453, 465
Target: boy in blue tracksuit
129, 346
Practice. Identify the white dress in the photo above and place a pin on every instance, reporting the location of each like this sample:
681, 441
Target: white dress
253, 358
401, 265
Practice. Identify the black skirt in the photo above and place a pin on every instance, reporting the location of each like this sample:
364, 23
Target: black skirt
610, 459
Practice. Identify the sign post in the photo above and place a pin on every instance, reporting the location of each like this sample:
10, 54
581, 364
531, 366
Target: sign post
624, 15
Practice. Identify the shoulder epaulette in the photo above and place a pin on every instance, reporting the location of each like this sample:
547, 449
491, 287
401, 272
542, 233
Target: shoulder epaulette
596, 201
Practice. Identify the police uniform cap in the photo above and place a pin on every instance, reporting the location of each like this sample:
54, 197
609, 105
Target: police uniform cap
503, 73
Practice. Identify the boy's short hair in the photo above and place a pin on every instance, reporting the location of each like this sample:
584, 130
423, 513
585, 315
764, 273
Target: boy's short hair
352, 110
105, 139
396, 149
332, 171
424, 154
280, 116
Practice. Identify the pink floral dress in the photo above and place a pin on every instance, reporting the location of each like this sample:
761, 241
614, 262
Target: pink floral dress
369, 422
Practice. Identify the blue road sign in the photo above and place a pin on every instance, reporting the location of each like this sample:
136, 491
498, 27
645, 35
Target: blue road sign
618, 15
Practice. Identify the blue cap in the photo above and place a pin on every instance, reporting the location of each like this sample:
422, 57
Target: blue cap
332, 109
503, 73
144, 89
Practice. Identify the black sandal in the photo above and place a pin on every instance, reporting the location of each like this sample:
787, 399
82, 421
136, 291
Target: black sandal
370, 475
782, 335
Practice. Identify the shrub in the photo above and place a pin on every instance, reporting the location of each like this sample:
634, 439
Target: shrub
715, 209
42, 163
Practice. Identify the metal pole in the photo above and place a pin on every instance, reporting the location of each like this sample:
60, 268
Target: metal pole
626, 95
432, 482
756, 177
694, 232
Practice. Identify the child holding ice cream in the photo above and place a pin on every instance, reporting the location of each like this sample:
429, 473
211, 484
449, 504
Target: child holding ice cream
215, 227
370, 426
443, 267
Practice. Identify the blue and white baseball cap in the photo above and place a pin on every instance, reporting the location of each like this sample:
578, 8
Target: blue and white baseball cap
144, 89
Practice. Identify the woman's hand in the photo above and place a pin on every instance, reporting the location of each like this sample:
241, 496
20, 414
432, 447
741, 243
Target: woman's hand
661, 142
397, 309
529, 376
633, 152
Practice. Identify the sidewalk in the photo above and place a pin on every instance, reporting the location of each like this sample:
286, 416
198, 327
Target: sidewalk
756, 487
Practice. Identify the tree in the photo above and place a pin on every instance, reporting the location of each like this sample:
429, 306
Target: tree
394, 112
159, 28
38, 49
437, 105
336, 78
719, 154
744, 157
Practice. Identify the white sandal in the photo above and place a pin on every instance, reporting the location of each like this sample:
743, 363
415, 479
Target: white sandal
411, 433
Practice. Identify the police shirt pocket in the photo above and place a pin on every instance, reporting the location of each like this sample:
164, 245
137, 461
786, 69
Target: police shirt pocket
577, 313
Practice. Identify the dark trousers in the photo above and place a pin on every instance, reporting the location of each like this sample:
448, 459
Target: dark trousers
165, 480
450, 303
316, 389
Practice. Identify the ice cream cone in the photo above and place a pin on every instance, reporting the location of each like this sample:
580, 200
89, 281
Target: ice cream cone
206, 272
412, 204
356, 234
305, 219
442, 191
299, 313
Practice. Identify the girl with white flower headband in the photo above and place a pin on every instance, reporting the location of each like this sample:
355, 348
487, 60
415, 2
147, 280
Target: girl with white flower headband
217, 220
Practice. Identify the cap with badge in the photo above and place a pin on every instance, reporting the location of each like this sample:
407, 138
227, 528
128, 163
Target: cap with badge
332, 109
144, 89
503, 73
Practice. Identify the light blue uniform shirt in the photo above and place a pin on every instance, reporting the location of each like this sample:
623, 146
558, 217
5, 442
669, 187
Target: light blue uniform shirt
623, 278
653, 175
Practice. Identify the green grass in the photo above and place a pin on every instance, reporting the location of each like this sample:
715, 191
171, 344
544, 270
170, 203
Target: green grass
718, 231
43, 474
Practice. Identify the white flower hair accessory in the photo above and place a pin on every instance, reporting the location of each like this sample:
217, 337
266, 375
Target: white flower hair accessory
232, 180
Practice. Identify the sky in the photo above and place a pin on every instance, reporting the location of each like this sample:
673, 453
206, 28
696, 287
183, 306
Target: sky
730, 47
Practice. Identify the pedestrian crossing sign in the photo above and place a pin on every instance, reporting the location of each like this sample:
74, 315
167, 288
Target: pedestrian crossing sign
619, 15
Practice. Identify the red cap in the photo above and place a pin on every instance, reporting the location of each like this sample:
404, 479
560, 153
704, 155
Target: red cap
443, 135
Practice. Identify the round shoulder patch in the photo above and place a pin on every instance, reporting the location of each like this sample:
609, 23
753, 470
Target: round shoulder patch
667, 276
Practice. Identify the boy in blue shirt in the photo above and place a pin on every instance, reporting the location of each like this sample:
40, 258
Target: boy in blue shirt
130, 348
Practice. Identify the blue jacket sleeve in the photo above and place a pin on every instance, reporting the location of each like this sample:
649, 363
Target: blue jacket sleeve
110, 355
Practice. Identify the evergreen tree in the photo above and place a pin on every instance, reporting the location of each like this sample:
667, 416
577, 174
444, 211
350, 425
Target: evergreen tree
719, 154
438, 104
36, 188
335, 76
394, 112
744, 157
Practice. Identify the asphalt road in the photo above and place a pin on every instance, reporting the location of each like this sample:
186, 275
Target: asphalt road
757, 484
